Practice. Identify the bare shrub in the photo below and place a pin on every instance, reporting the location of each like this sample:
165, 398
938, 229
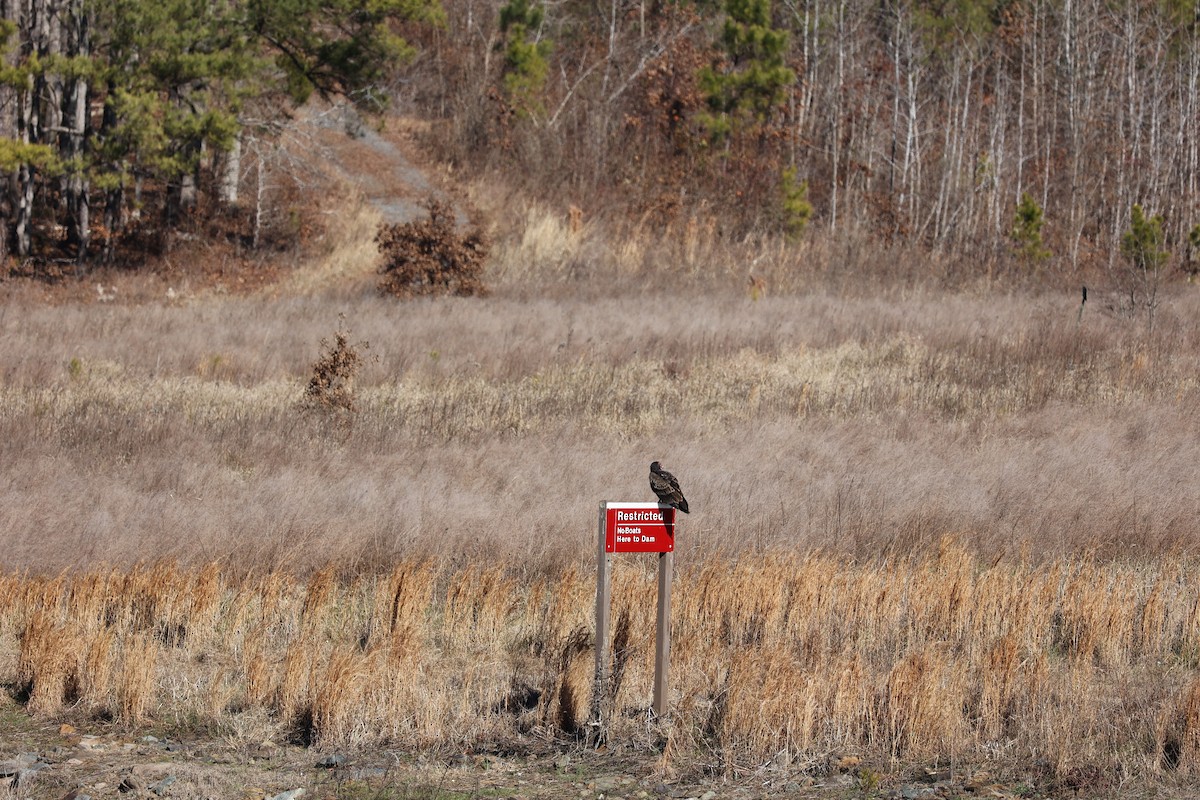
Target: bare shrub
331, 386
430, 257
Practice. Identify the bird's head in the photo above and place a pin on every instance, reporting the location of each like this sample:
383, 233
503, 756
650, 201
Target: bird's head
654, 467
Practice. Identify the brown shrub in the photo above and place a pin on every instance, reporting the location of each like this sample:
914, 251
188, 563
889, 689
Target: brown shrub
430, 257
331, 386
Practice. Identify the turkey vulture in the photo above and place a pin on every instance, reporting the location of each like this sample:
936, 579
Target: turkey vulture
667, 488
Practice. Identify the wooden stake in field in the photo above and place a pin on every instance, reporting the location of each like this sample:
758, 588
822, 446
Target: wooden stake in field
633, 528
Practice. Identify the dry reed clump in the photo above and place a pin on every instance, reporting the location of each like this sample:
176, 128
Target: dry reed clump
1083, 666
548, 248
349, 255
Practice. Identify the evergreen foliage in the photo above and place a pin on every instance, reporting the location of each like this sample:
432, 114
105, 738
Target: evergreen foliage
1027, 231
176, 73
173, 79
797, 210
1141, 245
525, 56
1193, 262
337, 46
752, 82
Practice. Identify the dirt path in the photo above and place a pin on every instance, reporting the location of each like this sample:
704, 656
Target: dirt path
61, 761
371, 157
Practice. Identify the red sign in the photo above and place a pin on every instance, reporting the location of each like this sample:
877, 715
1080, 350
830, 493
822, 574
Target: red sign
638, 528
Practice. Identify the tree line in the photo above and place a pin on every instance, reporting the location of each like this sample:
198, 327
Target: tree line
950, 123
117, 111
1028, 129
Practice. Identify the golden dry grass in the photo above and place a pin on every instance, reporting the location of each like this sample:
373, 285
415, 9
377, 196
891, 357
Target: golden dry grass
1073, 666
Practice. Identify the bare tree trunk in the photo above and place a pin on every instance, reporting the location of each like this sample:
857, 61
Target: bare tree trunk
114, 198
27, 132
9, 129
840, 99
75, 129
231, 173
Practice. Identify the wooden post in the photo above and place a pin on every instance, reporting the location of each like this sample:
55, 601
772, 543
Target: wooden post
603, 607
662, 639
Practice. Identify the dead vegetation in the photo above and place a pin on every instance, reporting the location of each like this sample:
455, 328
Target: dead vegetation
930, 527
1055, 670
430, 257
331, 387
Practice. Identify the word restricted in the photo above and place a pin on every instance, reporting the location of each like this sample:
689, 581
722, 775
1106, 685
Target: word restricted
639, 528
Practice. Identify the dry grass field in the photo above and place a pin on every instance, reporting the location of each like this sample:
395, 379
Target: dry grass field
928, 527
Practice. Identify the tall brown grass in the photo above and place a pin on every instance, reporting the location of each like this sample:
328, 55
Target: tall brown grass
1066, 670
491, 428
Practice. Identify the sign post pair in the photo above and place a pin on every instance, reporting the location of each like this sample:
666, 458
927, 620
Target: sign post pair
634, 528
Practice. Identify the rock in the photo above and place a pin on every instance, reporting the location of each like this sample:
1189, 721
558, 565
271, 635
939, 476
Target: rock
977, 780
132, 785
562, 762
935, 775
160, 788
90, 743
843, 779
910, 792
148, 739
291, 794
26, 776
606, 783
19, 764
709, 795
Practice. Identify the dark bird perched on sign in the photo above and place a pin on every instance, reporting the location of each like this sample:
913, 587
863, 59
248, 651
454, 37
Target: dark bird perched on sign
667, 488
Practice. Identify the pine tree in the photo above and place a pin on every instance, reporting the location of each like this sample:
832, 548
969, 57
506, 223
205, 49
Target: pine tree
344, 47
1192, 264
525, 56
1142, 242
1026, 232
1142, 248
797, 210
751, 85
